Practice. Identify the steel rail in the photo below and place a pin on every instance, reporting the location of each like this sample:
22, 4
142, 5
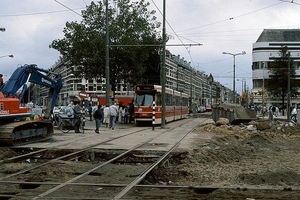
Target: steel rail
68, 155
70, 182
143, 174
95, 168
23, 155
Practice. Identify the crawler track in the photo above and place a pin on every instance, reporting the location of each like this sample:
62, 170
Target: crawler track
25, 132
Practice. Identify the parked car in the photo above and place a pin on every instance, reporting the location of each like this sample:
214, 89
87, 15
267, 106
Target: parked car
201, 109
208, 108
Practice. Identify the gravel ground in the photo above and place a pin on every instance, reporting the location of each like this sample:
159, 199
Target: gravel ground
255, 161
263, 156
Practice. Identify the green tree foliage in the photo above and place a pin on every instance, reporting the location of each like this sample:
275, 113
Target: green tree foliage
134, 42
277, 84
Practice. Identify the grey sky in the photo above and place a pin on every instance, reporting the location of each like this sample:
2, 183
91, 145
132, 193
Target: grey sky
220, 25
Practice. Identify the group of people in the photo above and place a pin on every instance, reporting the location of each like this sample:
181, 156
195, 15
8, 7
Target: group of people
109, 115
274, 111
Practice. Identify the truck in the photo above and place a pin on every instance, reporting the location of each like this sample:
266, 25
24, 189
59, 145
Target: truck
16, 127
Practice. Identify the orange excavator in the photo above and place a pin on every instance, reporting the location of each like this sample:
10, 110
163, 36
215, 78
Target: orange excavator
15, 128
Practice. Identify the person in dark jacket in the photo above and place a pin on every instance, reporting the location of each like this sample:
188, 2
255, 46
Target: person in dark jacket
98, 116
77, 115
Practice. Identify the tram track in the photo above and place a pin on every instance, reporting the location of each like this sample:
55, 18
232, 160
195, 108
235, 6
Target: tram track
71, 182
127, 177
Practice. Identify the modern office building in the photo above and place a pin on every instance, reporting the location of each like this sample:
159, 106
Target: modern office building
265, 49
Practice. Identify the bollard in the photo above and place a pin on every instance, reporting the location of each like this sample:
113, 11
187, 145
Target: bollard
153, 115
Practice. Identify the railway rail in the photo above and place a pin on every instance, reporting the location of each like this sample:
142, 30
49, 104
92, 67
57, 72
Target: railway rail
127, 167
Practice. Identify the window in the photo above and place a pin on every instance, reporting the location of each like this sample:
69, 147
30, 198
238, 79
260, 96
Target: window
144, 100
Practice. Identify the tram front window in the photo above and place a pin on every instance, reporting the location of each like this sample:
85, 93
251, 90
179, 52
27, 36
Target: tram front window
144, 100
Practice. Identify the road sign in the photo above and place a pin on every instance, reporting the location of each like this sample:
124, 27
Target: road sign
82, 94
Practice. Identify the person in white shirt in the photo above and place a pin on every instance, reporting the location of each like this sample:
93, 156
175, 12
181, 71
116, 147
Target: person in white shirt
294, 115
106, 117
120, 114
113, 110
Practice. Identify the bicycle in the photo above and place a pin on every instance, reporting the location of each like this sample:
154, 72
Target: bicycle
67, 123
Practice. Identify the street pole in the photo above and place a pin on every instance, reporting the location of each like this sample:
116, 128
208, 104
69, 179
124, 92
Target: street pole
234, 55
163, 70
191, 93
177, 79
288, 91
107, 89
233, 98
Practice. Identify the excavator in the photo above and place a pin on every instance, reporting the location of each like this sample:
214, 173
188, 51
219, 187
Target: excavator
16, 128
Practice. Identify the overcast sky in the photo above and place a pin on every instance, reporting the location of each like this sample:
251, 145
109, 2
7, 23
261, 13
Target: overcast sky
219, 25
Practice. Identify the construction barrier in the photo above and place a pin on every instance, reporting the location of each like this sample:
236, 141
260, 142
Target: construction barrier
235, 113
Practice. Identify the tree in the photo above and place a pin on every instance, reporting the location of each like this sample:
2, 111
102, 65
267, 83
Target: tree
134, 42
276, 85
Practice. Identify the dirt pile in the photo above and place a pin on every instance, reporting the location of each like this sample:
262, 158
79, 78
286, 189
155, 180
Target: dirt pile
259, 154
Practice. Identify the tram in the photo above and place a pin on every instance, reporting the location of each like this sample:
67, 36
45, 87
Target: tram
148, 98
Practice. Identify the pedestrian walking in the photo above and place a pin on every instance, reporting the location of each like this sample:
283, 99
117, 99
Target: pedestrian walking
106, 116
120, 114
123, 115
127, 115
294, 115
77, 115
113, 110
131, 112
98, 116
271, 116
90, 110
277, 111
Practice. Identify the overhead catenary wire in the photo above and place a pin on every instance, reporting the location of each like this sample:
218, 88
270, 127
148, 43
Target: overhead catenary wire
186, 47
231, 18
292, 1
68, 8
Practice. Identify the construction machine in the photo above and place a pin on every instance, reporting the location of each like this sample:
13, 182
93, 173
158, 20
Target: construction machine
16, 128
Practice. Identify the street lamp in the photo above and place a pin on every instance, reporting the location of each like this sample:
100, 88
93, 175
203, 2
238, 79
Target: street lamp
10, 55
234, 54
2, 29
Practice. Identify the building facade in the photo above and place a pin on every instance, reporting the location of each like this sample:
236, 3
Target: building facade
180, 76
265, 49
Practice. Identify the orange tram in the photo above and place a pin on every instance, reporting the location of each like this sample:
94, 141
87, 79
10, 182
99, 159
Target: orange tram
148, 98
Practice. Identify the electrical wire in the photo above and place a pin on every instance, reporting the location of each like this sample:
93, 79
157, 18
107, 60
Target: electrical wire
68, 8
231, 18
292, 1
38, 13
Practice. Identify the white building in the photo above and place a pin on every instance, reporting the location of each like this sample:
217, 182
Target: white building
268, 46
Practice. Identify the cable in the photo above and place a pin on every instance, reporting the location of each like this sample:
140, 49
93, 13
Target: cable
68, 8
292, 1
38, 13
231, 18
175, 33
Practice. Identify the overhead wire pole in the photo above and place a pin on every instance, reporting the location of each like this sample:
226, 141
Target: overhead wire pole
107, 89
289, 89
163, 69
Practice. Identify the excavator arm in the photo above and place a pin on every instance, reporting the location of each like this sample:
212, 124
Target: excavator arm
33, 74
